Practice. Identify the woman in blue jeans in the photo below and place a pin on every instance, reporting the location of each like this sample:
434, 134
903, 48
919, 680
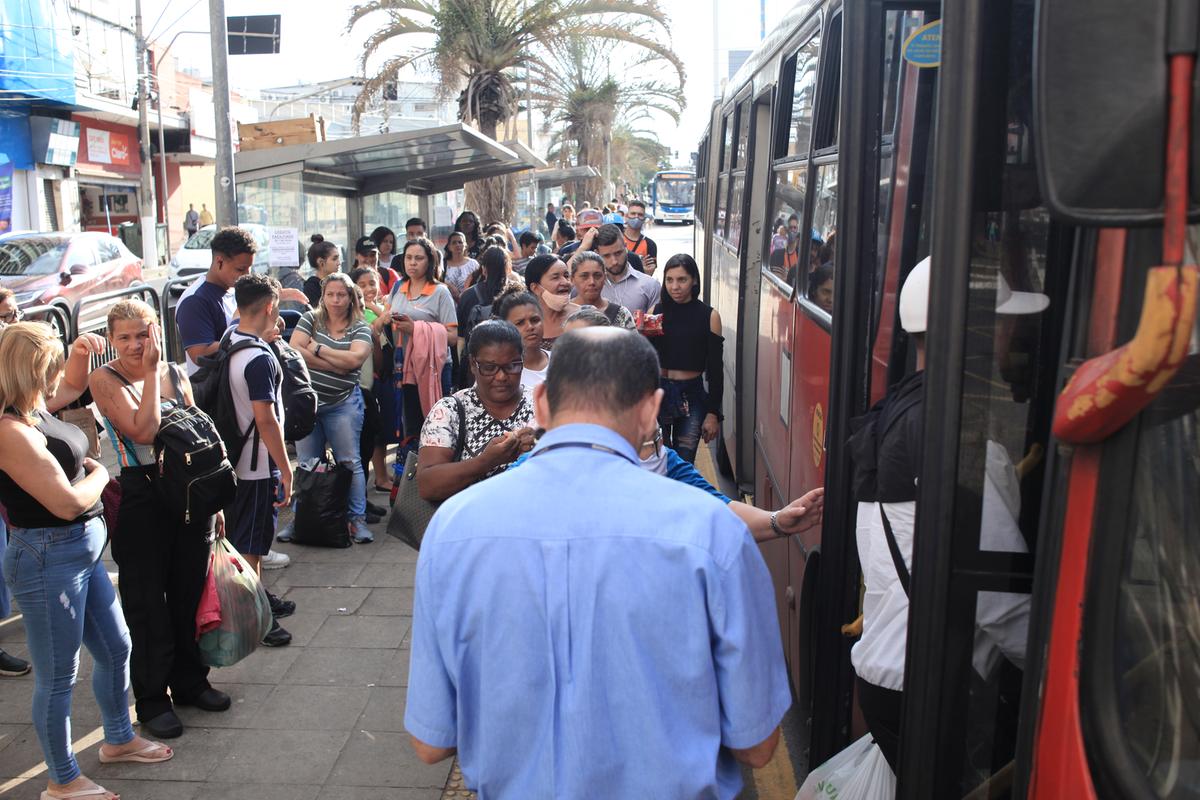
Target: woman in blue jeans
51, 490
335, 341
689, 353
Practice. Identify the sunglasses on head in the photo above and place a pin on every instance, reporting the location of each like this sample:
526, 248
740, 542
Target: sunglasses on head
487, 368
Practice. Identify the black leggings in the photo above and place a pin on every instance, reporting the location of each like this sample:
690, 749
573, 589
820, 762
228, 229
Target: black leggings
881, 709
163, 567
370, 430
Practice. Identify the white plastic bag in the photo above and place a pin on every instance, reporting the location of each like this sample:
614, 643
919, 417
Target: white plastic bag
860, 772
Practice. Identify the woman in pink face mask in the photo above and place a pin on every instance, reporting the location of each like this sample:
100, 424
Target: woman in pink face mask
549, 280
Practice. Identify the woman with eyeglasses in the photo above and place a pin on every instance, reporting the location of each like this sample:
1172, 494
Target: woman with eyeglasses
477, 432
9, 313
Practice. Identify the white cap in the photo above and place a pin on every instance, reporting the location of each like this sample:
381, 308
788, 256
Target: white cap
914, 299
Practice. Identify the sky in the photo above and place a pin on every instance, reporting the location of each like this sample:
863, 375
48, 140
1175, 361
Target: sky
315, 47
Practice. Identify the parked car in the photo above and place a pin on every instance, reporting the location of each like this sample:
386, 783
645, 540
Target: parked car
195, 256
60, 268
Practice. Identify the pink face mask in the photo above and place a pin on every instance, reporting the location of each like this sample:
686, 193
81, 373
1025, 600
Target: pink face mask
555, 302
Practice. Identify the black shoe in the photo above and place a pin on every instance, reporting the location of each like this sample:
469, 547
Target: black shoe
209, 700
12, 666
165, 726
277, 636
378, 511
281, 608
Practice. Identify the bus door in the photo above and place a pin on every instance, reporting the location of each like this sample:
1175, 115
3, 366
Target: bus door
998, 302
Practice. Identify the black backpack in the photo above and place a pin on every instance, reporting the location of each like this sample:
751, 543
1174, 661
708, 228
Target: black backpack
299, 396
194, 471
214, 393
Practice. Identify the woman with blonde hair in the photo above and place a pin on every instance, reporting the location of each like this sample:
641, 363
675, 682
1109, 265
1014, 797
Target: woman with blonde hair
334, 342
51, 490
163, 565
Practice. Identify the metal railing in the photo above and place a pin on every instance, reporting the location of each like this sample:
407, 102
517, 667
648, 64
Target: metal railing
100, 326
54, 316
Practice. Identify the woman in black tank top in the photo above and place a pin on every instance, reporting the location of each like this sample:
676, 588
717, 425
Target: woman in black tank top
52, 566
689, 352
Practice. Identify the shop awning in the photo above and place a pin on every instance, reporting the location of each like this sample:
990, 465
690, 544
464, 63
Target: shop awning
424, 161
556, 176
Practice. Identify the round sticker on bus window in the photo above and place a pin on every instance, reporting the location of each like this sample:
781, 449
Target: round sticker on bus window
923, 48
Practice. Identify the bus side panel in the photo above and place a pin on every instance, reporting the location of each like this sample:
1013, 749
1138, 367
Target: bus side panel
773, 426
810, 408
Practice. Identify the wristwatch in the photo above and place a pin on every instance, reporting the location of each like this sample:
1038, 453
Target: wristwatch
317, 352
775, 524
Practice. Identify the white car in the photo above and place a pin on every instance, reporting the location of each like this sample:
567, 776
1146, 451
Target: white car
195, 257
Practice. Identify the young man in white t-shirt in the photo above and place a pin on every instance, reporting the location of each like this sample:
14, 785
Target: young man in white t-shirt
264, 471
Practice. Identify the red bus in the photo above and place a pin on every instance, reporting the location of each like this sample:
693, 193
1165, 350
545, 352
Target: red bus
857, 140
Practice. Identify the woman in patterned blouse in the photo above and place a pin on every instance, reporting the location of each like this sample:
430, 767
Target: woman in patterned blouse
477, 432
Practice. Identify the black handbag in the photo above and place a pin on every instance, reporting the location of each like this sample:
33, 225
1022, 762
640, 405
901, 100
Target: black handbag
322, 506
411, 513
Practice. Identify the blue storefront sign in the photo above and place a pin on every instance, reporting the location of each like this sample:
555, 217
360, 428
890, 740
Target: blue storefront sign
6, 190
14, 138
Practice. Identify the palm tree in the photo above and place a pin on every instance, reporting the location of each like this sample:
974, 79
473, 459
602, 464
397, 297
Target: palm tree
578, 93
480, 48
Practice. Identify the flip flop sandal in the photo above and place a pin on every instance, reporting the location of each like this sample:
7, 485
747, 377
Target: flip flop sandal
95, 791
138, 756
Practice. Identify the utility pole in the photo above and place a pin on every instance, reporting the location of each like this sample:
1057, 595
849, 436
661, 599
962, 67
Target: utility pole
146, 205
226, 191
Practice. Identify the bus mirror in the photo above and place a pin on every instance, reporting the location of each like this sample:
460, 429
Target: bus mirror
1100, 75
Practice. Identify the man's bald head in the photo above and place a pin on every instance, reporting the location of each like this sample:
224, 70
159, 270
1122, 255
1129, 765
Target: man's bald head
607, 370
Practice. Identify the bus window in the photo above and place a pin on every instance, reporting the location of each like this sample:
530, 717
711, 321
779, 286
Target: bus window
726, 141
1153, 651
819, 284
734, 235
804, 95
722, 205
743, 134
826, 135
787, 245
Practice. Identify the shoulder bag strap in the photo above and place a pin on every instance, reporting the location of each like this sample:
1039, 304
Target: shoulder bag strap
894, 549
462, 429
121, 442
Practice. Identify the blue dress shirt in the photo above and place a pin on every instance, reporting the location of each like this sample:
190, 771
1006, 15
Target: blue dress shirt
612, 654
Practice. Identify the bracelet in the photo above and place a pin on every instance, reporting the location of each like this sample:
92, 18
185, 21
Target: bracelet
775, 524
317, 352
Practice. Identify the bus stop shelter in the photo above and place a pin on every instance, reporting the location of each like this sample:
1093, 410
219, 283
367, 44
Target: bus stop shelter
336, 188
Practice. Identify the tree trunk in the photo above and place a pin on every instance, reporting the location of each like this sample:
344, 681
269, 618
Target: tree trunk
493, 199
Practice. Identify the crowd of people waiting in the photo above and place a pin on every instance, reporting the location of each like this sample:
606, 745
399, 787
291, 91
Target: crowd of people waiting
438, 350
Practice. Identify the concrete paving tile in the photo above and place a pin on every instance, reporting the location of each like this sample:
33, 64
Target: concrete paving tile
16, 700
369, 793
306, 554
369, 632
392, 551
312, 708
300, 757
386, 575
302, 626
319, 575
12, 629
22, 753
257, 791
247, 699
149, 788
385, 759
335, 666
327, 600
385, 710
197, 754
264, 665
395, 673
11, 731
388, 602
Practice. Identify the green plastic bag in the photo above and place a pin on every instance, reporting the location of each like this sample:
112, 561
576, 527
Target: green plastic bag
245, 609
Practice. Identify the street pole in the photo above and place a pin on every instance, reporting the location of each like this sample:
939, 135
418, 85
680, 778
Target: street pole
226, 191
146, 205
162, 165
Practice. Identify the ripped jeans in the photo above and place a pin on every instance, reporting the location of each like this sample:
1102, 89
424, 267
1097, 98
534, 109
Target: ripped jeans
681, 415
65, 599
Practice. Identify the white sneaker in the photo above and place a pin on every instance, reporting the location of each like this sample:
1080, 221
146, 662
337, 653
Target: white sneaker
274, 560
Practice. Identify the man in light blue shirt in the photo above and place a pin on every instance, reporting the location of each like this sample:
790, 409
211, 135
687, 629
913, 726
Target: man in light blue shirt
571, 656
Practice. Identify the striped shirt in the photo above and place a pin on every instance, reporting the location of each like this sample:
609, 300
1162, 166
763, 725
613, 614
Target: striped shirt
334, 387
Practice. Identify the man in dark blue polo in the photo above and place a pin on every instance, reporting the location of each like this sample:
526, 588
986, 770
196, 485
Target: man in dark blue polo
617, 655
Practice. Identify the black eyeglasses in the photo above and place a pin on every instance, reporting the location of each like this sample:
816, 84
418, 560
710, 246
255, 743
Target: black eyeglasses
489, 369
13, 316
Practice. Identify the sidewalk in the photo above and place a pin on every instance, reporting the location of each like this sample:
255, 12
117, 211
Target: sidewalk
321, 719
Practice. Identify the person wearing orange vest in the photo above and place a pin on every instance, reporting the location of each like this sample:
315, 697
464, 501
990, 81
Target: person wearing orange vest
642, 246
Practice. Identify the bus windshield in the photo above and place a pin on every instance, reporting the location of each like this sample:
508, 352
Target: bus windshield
676, 191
